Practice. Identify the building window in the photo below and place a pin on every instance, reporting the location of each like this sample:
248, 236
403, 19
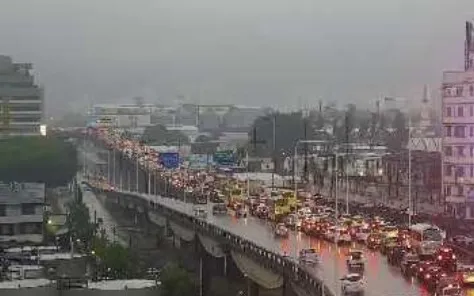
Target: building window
471, 111
448, 170
449, 131
30, 228
471, 90
472, 171
471, 131
460, 171
471, 149
459, 132
3, 210
460, 111
28, 209
460, 190
448, 151
448, 111
459, 90
6, 229
448, 190
460, 150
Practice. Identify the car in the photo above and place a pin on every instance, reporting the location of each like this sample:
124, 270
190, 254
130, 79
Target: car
281, 230
200, 213
448, 286
308, 256
466, 274
462, 240
432, 276
362, 234
374, 241
355, 260
352, 284
240, 211
219, 209
446, 258
342, 235
421, 268
395, 254
409, 263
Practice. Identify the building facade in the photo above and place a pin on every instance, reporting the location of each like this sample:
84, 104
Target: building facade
21, 100
21, 212
121, 116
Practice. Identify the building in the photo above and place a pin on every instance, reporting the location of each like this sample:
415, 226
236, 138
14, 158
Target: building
121, 116
458, 134
21, 100
21, 212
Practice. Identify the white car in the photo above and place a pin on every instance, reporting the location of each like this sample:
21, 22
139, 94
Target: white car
352, 284
281, 230
308, 256
363, 234
342, 236
200, 213
355, 260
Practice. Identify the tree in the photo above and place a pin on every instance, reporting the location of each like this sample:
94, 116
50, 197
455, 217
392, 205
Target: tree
289, 128
204, 145
78, 222
159, 135
175, 281
37, 159
399, 137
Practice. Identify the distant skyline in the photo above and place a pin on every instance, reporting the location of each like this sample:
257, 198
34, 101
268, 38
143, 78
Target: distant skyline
257, 53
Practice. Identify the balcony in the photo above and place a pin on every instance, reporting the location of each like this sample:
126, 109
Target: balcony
20, 92
466, 159
458, 119
21, 219
455, 199
26, 112
454, 141
457, 100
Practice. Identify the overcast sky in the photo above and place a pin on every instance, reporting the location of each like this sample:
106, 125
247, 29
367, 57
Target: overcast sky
250, 52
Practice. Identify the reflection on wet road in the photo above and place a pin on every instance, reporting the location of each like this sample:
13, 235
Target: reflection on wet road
381, 278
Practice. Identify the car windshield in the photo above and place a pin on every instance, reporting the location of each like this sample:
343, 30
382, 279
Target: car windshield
356, 255
308, 251
353, 278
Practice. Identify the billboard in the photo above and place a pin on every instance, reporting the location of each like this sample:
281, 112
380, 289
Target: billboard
199, 161
169, 160
224, 158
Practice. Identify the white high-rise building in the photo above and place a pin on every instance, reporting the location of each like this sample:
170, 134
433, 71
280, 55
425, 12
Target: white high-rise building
458, 135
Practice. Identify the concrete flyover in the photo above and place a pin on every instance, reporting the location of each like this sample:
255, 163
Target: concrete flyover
261, 266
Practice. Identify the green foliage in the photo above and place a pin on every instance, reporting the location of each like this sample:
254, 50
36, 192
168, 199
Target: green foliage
175, 281
37, 159
78, 222
159, 135
289, 128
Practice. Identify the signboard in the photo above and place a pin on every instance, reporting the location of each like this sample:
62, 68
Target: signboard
224, 158
199, 161
169, 160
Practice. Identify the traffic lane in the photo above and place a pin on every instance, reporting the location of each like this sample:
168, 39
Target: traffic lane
97, 209
381, 279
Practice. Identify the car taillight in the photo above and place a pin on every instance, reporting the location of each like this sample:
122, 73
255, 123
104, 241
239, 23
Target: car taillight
421, 269
440, 257
427, 276
454, 256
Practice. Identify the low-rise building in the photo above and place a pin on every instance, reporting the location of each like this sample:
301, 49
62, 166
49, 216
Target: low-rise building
21, 212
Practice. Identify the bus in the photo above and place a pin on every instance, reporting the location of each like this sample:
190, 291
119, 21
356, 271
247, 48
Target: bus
426, 238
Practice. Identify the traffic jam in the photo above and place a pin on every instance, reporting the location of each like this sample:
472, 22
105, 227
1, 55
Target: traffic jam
421, 251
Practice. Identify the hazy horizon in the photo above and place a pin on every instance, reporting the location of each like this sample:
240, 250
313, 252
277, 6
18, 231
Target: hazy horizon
273, 53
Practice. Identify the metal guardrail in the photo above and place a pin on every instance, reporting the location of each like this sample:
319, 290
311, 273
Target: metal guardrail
266, 258
288, 268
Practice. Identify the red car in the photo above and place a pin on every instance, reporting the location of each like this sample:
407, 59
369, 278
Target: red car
446, 258
422, 267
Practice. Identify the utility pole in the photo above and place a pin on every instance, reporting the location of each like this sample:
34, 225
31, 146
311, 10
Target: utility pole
305, 134
346, 163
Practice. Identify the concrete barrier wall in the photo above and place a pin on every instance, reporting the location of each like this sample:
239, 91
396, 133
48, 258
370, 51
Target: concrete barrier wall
49, 291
